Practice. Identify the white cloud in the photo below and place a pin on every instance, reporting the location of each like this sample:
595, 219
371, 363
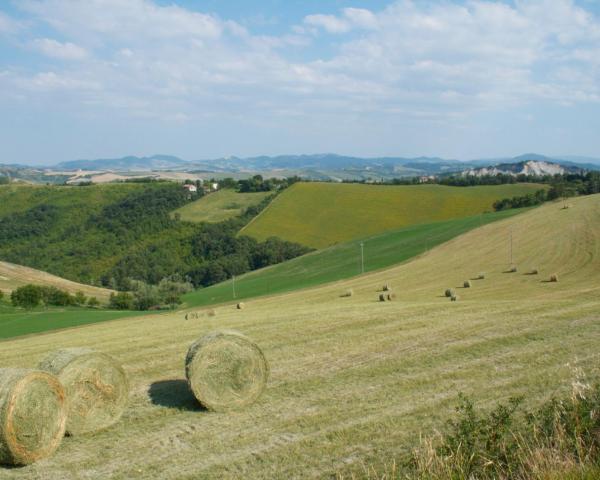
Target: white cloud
427, 59
7, 24
62, 51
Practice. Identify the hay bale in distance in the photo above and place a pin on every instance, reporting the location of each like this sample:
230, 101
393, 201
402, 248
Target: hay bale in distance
391, 296
513, 269
347, 293
96, 386
481, 276
449, 292
467, 284
33, 415
211, 312
534, 271
382, 297
240, 306
386, 287
454, 298
226, 370
554, 278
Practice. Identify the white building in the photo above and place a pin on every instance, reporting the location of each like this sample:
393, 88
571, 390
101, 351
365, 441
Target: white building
190, 188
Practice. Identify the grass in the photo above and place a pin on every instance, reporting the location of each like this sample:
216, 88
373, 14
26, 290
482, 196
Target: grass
16, 322
322, 214
342, 261
13, 276
220, 206
353, 381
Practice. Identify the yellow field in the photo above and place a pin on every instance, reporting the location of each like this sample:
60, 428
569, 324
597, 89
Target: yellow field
353, 380
219, 206
13, 276
321, 214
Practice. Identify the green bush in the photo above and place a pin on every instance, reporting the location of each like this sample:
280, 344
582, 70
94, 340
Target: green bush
121, 301
93, 302
27, 296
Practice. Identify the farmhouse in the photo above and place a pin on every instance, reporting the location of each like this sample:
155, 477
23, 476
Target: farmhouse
190, 188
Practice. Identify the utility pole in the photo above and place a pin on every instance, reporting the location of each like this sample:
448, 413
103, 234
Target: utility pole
233, 284
362, 258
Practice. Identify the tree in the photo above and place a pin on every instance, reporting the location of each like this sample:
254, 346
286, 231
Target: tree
93, 302
27, 296
121, 301
80, 298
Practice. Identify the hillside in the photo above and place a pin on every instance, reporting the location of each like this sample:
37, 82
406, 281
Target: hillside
13, 276
528, 167
219, 206
353, 381
343, 261
322, 214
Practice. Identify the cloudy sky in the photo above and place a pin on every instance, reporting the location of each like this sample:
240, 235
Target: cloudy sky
209, 78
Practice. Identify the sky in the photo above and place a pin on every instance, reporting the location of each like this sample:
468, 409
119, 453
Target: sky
204, 79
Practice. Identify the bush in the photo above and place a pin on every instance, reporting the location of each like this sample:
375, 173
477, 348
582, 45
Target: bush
93, 302
80, 298
121, 301
27, 296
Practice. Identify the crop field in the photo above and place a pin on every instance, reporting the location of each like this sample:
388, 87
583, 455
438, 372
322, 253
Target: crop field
354, 381
322, 214
13, 276
219, 206
342, 261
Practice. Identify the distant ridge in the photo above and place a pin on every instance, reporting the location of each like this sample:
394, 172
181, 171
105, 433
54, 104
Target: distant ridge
160, 162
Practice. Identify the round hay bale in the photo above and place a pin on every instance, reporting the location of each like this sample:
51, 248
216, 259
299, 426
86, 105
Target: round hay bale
391, 296
386, 287
481, 276
33, 415
240, 306
211, 312
382, 297
96, 386
226, 370
454, 298
534, 271
449, 292
513, 269
554, 278
467, 284
348, 293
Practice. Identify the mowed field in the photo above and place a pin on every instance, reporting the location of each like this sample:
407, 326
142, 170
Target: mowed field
342, 261
13, 276
322, 214
219, 206
353, 381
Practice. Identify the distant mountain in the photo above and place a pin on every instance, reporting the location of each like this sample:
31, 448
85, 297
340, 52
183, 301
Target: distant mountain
155, 162
526, 167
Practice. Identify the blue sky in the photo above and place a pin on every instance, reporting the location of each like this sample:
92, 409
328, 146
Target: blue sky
210, 78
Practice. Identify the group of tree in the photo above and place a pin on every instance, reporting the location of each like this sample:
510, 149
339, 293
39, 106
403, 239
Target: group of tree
31, 296
144, 296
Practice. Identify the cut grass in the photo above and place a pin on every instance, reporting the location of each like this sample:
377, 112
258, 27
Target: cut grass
322, 214
13, 276
353, 381
342, 261
219, 206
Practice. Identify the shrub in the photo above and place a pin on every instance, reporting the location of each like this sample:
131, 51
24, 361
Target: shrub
27, 296
121, 301
93, 302
80, 298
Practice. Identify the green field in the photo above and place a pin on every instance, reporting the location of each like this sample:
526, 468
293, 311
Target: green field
16, 322
354, 382
342, 261
219, 206
322, 214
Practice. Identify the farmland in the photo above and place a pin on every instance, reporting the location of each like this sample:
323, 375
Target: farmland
219, 206
13, 276
322, 214
353, 381
342, 261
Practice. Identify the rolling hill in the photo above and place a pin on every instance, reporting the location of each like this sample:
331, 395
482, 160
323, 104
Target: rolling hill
219, 206
13, 276
322, 214
354, 381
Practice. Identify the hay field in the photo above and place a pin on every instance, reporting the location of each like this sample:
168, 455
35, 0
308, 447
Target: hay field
13, 276
353, 380
220, 205
322, 214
